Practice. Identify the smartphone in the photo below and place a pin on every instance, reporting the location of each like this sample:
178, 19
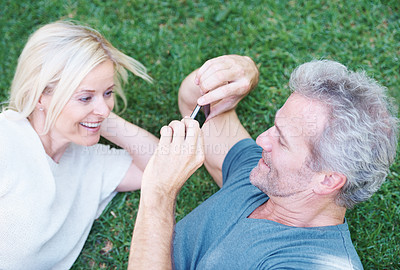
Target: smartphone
200, 113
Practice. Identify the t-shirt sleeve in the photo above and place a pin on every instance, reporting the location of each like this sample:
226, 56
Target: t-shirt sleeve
240, 160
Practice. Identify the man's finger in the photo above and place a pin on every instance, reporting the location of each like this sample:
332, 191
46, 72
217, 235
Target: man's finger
216, 95
207, 65
178, 129
166, 135
215, 80
192, 129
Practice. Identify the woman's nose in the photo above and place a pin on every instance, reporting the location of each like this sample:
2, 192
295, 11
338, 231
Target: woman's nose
102, 107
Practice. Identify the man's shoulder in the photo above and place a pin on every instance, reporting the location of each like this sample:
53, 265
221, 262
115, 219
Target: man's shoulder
270, 245
241, 159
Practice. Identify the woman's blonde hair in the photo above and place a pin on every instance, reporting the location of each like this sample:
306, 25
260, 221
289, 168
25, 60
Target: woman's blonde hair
55, 60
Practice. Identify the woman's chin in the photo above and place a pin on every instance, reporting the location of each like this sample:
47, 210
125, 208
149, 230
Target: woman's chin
89, 141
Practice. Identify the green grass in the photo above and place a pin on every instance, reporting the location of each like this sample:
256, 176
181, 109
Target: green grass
172, 38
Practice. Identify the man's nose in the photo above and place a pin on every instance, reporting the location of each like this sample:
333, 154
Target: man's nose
265, 140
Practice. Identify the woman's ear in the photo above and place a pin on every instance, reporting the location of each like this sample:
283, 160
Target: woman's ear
331, 182
38, 117
43, 102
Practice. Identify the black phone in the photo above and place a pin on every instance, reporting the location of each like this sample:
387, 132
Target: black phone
200, 113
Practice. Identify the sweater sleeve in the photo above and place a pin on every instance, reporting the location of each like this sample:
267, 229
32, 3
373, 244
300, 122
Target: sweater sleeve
114, 163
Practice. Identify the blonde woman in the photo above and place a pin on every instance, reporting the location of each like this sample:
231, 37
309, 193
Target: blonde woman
55, 178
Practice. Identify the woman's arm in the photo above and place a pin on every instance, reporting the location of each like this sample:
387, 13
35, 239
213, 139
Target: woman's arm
140, 144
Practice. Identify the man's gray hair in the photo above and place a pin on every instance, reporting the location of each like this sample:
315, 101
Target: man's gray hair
360, 137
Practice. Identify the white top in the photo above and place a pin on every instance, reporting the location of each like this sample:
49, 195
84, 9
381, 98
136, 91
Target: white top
47, 209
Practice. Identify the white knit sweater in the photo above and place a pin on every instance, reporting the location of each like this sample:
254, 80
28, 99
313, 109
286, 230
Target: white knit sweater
48, 208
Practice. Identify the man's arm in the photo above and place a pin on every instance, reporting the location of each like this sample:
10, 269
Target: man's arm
178, 155
221, 133
223, 82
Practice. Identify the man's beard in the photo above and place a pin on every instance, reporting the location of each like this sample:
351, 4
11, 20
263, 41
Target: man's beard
280, 184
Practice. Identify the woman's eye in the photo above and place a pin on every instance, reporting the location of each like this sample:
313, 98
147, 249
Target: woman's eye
85, 99
108, 93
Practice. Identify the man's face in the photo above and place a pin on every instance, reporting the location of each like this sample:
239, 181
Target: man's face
283, 169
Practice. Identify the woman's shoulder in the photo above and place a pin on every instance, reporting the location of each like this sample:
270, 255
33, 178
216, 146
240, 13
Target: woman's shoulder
10, 119
15, 130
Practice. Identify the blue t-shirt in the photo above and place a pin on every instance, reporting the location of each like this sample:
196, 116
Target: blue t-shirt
218, 234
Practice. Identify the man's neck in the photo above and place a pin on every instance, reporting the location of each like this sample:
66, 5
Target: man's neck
297, 213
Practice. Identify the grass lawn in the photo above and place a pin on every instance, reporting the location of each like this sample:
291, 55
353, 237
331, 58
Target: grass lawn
172, 38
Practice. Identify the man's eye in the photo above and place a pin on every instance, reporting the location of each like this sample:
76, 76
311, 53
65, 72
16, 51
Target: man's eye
280, 142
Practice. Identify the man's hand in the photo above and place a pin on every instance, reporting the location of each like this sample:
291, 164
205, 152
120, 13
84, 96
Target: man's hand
221, 82
178, 155
224, 81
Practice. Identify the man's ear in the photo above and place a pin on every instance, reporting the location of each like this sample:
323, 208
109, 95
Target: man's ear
331, 182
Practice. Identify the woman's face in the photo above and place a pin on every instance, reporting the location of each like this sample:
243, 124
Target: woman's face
80, 120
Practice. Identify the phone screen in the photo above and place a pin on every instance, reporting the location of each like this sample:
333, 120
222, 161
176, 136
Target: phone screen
202, 114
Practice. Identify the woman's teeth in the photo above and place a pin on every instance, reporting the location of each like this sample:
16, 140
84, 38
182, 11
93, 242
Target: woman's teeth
90, 125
